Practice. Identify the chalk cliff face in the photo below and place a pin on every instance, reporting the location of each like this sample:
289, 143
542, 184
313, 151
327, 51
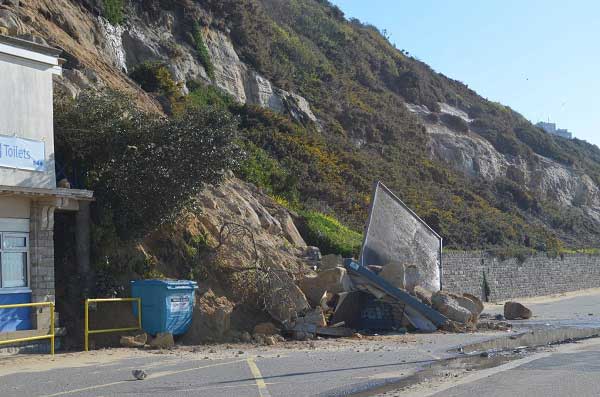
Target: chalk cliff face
473, 155
99, 53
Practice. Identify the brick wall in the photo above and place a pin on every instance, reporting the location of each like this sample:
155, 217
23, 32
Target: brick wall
536, 276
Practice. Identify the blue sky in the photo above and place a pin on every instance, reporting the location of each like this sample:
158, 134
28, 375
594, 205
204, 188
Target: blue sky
540, 57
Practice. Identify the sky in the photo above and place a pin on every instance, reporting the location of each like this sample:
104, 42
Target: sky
540, 57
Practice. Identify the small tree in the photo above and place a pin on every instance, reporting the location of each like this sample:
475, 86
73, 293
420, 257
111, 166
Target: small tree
143, 168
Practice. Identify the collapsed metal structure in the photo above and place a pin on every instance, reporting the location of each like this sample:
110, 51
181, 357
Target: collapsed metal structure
394, 233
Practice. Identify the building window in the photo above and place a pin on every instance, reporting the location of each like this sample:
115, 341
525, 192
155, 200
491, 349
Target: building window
14, 252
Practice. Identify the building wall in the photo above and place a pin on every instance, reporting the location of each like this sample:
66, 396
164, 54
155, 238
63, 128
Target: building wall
14, 207
536, 276
26, 111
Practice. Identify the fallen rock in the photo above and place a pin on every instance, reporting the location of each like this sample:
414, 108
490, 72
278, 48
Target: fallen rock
286, 301
334, 280
163, 340
266, 329
290, 231
246, 337
393, 273
445, 303
470, 305
516, 311
313, 317
331, 261
477, 301
211, 319
424, 295
139, 374
134, 341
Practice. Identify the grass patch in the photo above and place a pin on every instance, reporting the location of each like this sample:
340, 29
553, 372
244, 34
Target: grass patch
329, 234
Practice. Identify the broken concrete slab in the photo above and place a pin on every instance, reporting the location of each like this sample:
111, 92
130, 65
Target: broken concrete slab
334, 281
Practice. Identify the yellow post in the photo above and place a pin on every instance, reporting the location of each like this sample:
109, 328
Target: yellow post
52, 329
86, 332
139, 304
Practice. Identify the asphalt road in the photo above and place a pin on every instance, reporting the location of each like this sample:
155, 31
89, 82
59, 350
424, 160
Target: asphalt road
317, 369
575, 372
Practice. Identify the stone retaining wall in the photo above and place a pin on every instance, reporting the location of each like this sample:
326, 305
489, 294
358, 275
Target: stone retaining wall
511, 278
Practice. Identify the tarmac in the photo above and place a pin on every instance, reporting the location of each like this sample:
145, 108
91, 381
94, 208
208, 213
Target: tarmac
375, 365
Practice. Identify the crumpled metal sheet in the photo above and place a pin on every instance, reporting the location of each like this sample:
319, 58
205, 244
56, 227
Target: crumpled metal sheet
395, 233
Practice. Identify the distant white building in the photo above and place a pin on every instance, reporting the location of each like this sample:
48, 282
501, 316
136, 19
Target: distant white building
550, 128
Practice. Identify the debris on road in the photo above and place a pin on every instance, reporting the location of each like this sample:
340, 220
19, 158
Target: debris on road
134, 341
516, 311
139, 374
163, 340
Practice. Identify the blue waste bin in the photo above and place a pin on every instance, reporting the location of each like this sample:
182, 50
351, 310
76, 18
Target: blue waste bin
167, 305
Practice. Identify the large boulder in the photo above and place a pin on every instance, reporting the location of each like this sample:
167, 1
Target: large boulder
334, 280
478, 303
470, 305
211, 319
393, 273
447, 305
331, 261
290, 231
516, 311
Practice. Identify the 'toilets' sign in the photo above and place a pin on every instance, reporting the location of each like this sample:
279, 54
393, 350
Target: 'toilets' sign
24, 154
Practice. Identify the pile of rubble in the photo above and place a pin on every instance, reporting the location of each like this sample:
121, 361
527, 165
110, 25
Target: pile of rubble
347, 297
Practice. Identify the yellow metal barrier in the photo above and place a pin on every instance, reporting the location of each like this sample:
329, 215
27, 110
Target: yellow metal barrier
89, 331
32, 338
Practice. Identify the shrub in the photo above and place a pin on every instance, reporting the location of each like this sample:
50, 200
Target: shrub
144, 169
202, 51
455, 123
154, 77
113, 11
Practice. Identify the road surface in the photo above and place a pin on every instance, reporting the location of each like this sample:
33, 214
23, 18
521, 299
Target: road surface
326, 368
572, 370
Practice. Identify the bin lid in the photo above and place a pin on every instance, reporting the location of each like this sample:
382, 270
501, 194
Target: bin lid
167, 283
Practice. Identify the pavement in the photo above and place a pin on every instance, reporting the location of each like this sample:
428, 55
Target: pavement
329, 367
